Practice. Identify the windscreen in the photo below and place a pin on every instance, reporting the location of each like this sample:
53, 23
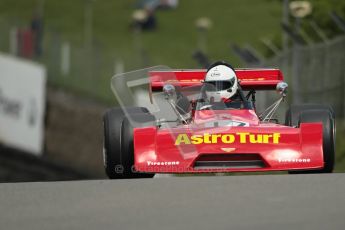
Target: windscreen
133, 89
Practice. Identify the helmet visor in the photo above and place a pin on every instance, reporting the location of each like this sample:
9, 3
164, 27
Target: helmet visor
212, 86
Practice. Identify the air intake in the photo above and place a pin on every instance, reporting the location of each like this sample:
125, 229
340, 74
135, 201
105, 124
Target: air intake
227, 161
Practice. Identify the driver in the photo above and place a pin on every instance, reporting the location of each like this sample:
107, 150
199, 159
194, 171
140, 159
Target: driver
220, 84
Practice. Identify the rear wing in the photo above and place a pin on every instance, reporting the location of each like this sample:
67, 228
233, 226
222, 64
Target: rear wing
257, 79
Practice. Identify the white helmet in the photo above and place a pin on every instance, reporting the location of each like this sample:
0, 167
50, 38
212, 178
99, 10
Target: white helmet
221, 82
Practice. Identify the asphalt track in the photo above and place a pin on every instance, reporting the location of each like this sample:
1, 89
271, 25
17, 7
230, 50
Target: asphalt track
233, 202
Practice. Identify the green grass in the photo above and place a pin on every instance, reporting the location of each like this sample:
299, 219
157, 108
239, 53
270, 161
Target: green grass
172, 44
174, 41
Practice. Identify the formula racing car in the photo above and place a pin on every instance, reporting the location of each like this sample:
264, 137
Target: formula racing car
164, 124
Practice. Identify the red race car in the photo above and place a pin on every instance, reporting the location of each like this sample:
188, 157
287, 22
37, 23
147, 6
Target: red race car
163, 125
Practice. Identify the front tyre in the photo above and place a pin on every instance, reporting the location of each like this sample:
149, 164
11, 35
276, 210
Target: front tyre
325, 117
127, 145
112, 125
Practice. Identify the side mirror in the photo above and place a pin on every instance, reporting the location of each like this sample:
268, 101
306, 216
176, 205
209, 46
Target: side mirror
282, 88
169, 91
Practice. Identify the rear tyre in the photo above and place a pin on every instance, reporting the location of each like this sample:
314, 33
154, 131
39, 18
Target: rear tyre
112, 123
326, 116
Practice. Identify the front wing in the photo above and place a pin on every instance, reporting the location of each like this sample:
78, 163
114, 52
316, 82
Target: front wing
235, 149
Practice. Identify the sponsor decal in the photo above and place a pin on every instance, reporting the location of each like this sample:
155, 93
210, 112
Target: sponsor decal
242, 138
9, 107
32, 112
294, 160
162, 163
215, 73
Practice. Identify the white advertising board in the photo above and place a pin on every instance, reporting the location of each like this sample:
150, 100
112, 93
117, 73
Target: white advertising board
22, 104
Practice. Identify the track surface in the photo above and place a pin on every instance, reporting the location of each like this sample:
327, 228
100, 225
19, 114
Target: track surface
237, 202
